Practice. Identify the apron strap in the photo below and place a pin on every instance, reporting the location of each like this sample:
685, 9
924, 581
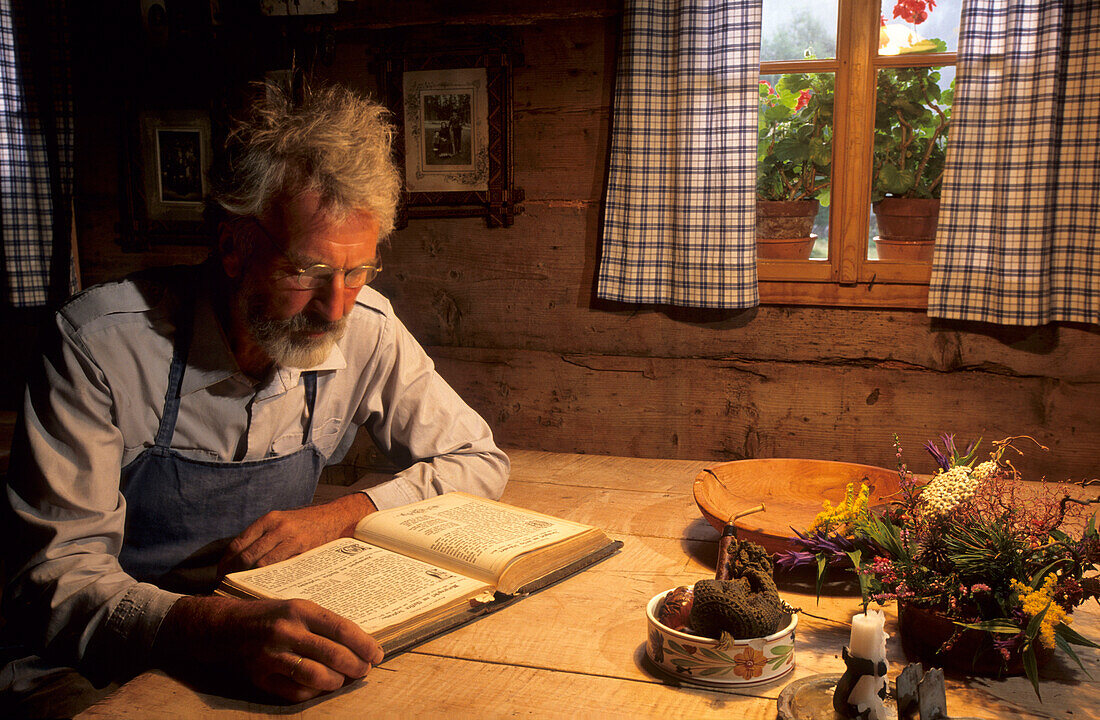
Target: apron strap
181, 346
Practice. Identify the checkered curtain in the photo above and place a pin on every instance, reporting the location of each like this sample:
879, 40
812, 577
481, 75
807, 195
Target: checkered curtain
1019, 229
680, 212
36, 153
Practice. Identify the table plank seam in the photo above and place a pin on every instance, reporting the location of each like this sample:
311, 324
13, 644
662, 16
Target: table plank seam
641, 491
605, 676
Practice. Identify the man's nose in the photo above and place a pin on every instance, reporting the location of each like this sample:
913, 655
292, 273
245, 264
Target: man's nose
330, 299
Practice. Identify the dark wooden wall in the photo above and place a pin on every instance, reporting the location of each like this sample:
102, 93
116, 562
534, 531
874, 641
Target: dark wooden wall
510, 318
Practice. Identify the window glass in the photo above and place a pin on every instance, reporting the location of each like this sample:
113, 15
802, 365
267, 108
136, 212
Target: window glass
793, 29
794, 165
912, 121
915, 26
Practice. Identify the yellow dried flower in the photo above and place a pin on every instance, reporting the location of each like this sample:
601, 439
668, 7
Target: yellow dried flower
1032, 602
831, 518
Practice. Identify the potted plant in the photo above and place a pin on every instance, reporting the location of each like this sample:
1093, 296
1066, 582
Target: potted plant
912, 116
794, 154
986, 569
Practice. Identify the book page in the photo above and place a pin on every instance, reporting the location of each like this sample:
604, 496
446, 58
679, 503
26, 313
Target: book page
471, 535
370, 586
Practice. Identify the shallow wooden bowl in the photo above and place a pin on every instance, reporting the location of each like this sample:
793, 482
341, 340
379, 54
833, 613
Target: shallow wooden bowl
792, 491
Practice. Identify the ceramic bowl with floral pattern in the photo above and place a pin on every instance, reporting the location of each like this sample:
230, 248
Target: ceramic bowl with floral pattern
752, 661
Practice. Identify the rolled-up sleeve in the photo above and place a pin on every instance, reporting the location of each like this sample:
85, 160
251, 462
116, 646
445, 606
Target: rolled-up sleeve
422, 424
67, 597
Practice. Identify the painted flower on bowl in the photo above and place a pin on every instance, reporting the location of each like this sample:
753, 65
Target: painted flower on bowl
656, 647
750, 663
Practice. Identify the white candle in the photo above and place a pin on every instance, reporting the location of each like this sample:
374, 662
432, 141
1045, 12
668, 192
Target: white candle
868, 636
869, 641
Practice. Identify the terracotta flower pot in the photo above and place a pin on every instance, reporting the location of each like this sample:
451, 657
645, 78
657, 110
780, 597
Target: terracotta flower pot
785, 248
783, 228
785, 218
904, 249
924, 632
906, 228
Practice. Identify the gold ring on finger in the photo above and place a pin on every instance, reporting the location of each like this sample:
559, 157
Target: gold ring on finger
294, 669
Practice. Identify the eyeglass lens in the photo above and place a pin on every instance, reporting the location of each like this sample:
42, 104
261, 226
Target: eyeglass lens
317, 276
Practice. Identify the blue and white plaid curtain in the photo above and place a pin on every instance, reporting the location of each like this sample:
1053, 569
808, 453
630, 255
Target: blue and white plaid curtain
1019, 231
680, 213
36, 153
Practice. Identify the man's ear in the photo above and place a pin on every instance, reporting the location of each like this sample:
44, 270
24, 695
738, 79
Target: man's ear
229, 247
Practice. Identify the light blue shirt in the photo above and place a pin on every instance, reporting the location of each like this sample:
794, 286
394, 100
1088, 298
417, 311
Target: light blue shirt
94, 404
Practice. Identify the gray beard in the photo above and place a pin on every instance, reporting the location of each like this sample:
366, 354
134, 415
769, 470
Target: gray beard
283, 341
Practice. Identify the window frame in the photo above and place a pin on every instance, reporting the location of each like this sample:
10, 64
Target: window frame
847, 277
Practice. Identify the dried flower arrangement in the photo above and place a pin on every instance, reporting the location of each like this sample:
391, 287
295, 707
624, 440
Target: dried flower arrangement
974, 544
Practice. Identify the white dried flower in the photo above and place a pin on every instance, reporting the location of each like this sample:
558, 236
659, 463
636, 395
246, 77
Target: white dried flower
949, 488
984, 470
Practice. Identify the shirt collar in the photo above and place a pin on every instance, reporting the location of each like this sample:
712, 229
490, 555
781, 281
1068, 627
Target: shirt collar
335, 361
209, 360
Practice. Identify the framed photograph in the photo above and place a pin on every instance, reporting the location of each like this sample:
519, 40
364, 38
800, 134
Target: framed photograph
446, 130
454, 118
174, 159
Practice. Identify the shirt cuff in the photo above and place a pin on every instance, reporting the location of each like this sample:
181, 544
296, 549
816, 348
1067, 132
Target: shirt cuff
124, 642
390, 494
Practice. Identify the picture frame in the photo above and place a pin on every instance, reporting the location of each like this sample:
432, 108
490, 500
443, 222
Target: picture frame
453, 112
174, 161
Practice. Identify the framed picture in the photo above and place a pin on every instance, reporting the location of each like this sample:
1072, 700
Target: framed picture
446, 130
175, 159
454, 139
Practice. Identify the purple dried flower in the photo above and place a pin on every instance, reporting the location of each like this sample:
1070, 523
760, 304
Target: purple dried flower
950, 456
1007, 644
828, 543
943, 459
835, 547
795, 558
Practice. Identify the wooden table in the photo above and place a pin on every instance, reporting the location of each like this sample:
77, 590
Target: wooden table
577, 649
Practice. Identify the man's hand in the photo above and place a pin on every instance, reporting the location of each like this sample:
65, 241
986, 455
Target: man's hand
293, 649
284, 533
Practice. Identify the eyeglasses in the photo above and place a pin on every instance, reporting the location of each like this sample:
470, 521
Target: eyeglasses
319, 275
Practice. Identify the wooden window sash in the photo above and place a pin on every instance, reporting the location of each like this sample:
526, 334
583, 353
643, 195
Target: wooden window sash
847, 277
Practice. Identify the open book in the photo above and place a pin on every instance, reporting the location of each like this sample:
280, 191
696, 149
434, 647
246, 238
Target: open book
414, 571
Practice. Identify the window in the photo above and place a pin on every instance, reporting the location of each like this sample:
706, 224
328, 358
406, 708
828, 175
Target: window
870, 81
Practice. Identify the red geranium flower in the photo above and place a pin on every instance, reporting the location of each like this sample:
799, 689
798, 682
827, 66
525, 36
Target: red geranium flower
803, 99
914, 11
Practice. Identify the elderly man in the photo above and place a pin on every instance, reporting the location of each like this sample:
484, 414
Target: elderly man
180, 418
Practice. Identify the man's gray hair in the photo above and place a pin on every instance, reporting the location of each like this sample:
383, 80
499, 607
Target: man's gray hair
330, 141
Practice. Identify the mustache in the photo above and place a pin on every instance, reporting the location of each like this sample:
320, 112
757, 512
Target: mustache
304, 323
268, 330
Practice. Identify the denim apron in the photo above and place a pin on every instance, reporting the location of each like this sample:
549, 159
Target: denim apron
182, 513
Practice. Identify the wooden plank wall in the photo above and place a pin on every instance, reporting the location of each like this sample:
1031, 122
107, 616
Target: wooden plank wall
510, 318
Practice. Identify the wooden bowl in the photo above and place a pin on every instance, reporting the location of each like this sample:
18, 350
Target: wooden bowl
792, 491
